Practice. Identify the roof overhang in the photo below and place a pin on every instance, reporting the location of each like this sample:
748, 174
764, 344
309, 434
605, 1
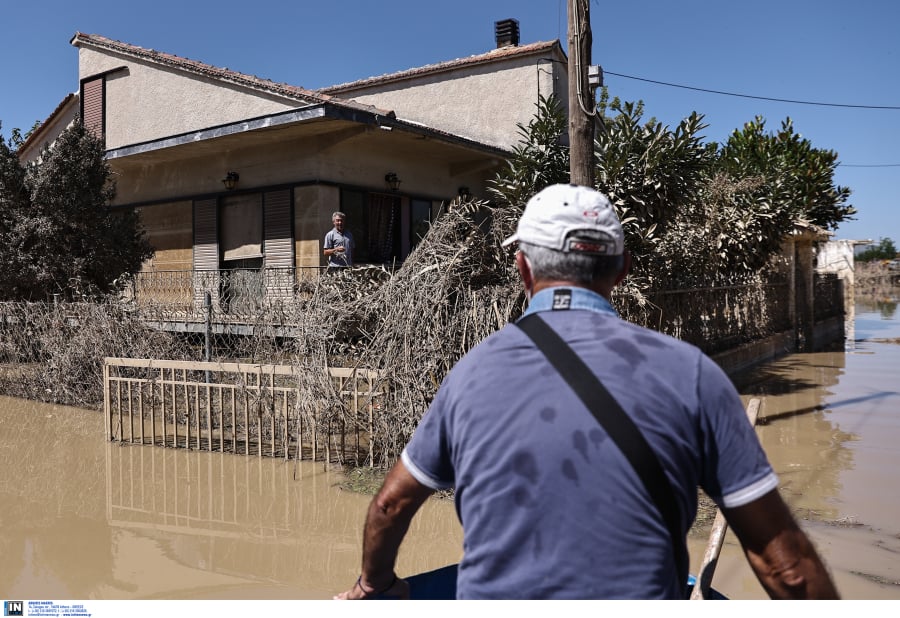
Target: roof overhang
303, 116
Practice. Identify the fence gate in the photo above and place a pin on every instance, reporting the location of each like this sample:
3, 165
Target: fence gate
241, 408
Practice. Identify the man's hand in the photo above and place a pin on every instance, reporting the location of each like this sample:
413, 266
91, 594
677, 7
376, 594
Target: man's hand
387, 521
398, 590
781, 555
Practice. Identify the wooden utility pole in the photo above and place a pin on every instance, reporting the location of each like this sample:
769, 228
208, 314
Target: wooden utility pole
581, 99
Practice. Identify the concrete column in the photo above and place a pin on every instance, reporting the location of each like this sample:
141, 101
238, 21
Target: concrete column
805, 306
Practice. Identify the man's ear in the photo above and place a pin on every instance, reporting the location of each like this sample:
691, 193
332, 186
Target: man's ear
626, 268
524, 268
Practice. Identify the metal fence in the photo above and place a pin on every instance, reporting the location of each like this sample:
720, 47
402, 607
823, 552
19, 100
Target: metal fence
715, 318
226, 294
239, 408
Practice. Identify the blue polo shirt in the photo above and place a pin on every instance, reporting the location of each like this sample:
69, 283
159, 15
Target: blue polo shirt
550, 508
337, 239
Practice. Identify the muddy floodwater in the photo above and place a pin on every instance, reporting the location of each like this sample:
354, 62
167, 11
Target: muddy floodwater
830, 423
81, 518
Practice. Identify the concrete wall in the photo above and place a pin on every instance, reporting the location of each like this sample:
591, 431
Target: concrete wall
50, 131
170, 230
312, 219
837, 256
148, 101
264, 161
826, 333
482, 102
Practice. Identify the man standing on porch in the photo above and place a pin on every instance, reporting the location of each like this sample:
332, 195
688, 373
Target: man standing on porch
339, 243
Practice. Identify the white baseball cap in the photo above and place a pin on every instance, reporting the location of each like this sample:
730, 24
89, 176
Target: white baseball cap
555, 216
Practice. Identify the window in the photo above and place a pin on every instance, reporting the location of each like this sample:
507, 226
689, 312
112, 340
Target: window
241, 228
93, 106
93, 100
376, 222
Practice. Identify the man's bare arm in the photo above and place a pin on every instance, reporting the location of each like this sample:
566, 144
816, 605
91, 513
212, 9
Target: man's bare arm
779, 552
387, 521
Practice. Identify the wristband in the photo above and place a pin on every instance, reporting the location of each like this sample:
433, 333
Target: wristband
374, 593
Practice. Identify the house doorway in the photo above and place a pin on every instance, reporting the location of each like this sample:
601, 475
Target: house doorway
386, 227
241, 231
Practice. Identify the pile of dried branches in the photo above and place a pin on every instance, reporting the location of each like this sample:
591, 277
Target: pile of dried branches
54, 352
456, 288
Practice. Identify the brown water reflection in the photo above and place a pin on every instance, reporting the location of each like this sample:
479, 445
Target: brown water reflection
81, 518
830, 424
85, 519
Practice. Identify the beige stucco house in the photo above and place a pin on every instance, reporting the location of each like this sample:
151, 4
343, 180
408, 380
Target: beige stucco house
176, 128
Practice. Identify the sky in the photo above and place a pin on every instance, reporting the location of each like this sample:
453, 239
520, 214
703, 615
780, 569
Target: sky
844, 54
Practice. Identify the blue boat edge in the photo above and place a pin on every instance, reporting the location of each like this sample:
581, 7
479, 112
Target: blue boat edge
440, 585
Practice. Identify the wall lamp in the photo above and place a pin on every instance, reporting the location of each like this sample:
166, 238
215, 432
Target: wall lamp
231, 180
464, 194
392, 181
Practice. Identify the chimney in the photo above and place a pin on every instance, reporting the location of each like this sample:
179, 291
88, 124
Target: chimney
506, 32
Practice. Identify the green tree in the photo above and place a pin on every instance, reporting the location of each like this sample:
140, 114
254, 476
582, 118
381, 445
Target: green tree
540, 159
14, 201
65, 239
651, 173
884, 250
799, 178
694, 213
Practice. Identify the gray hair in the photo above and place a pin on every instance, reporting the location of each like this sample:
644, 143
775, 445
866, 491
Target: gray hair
581, 268
338, 215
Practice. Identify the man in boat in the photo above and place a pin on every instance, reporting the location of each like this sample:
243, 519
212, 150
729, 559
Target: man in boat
550, 503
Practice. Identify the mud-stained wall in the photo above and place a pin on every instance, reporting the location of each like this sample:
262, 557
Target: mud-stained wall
169, 229
312, 219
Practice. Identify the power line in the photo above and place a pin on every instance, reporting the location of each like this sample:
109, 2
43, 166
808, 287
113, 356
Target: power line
750, 96
873, 165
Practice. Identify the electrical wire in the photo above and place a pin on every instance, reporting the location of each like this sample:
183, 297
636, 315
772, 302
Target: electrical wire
872, 165
578, 14
750, 96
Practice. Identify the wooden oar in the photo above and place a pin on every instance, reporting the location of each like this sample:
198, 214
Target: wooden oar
717, 534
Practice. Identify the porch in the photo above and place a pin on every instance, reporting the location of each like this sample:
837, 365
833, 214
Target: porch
232, 301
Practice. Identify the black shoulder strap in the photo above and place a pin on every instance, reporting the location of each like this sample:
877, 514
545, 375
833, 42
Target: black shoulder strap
618, 426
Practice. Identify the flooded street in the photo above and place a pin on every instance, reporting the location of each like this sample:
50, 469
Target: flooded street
81, 518
830, 423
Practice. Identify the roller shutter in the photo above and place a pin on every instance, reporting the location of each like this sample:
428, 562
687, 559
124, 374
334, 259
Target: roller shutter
279, 245
206, 246
93, 105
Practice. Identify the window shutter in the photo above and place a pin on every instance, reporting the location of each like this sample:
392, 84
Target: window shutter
279, 247
241, 227
92, 106
206, 246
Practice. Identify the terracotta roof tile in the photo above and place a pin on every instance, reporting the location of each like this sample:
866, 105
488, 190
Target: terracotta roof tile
510, 51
